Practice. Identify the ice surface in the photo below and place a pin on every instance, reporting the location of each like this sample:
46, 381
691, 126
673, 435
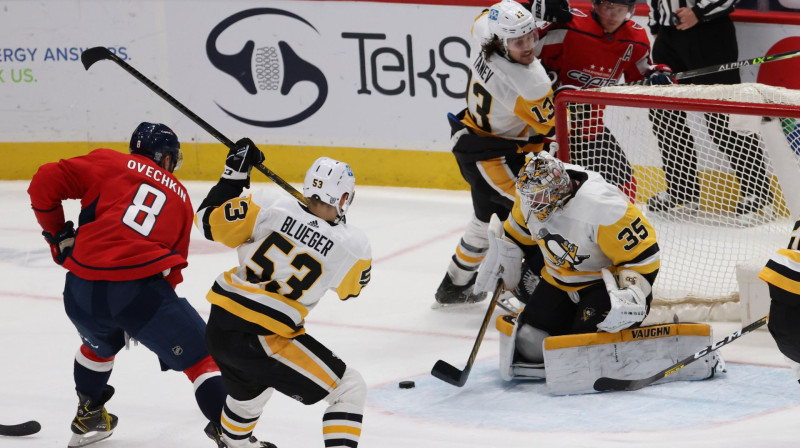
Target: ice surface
389, 334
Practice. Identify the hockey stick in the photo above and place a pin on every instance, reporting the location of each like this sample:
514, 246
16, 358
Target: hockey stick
92, 55
22, 429
735, 65
450, 374
604, 384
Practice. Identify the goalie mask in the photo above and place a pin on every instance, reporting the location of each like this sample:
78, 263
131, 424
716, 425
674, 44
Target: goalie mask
509, 21
154, 140
543, 185
328, 180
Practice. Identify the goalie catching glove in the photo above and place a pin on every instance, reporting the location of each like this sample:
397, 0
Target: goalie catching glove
240, 161
503, 261
628, 300
61, 243
556, 11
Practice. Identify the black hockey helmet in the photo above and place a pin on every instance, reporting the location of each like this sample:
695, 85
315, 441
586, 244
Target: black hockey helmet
153, 140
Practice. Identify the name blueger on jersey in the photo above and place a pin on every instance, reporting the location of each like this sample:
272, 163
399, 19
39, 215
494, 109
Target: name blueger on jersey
306, 235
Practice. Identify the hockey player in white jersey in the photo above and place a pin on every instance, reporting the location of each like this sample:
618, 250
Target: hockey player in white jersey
601, 258
782, 274
290, 255
509, 112
582, 225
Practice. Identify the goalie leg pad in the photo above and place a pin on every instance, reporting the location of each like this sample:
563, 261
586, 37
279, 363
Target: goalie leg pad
574, 362
511, 366
507, 329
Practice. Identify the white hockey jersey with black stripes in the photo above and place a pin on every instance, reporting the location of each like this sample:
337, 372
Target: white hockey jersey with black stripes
506, 99
288, 259
597, 228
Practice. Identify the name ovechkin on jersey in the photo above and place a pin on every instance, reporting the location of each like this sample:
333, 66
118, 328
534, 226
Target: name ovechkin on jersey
157, 176
306, 235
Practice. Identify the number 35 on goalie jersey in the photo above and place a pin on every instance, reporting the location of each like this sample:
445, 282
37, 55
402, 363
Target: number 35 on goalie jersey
288, 259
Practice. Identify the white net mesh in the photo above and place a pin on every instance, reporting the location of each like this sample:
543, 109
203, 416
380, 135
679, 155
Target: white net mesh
717, 179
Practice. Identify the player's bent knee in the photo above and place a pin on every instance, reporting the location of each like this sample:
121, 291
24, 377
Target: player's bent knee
529, 343
352, 389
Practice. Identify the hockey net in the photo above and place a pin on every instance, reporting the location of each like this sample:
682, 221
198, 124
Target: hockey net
716, 169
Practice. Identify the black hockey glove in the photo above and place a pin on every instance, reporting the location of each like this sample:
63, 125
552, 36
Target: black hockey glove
550, 10
659, 75
240, 161
61, 243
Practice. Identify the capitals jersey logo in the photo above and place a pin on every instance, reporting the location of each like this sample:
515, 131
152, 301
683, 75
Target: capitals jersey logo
560, 251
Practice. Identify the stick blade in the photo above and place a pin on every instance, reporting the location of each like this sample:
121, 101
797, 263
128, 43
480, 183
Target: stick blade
94, 54
22, 429
449, 374
604, 384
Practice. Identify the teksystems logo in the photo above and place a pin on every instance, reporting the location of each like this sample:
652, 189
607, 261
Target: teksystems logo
262, 69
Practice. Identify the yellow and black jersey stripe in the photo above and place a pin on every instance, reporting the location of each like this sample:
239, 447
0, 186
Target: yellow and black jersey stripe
270, 311
597, 228
783, 268
783, 271
289, 258
230, 223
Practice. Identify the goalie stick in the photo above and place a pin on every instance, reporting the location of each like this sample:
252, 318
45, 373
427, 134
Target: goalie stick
22, 429
604, 384
452, 375
92, 55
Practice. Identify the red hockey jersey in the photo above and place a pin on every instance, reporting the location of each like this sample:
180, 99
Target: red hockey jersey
135, 217
583, 55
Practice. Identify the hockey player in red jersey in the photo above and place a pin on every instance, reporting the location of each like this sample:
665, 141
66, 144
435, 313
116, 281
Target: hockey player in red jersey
124, 261
601, 49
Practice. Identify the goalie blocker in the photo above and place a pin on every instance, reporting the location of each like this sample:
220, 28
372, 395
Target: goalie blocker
572, 363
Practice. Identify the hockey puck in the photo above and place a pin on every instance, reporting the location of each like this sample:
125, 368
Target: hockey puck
407, 384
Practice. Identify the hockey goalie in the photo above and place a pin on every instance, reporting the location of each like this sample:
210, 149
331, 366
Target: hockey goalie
590, 259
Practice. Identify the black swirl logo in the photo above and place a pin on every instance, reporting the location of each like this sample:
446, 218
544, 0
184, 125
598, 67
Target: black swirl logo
267, 69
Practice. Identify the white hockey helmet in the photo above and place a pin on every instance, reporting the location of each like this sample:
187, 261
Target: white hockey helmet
509, 20
543, 185
328, 180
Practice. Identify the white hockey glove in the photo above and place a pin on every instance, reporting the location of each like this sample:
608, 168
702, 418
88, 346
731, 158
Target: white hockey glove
503, 261
628, 300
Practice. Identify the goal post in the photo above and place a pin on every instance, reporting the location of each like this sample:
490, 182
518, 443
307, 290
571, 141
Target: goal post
716, 169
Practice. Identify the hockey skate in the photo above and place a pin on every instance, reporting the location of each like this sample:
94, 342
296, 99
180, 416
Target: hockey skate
92, 422
214, 432
449, 294
663, 202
